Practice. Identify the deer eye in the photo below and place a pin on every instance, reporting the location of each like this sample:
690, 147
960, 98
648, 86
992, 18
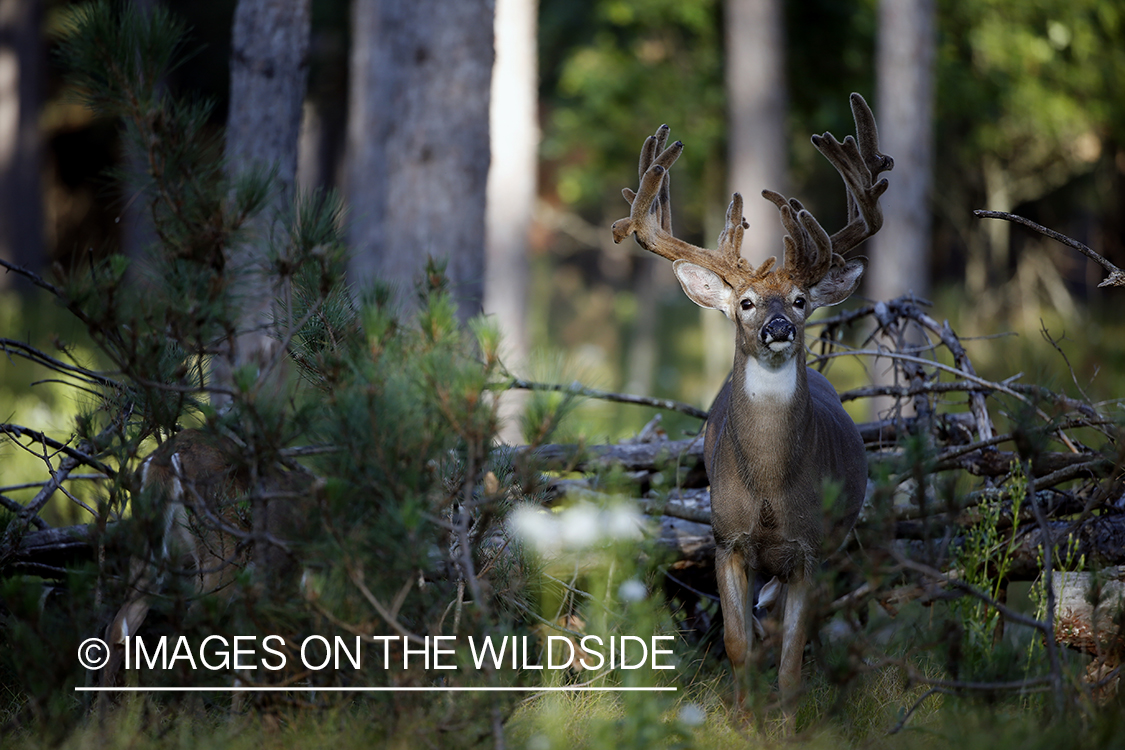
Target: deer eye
799, 303
747, 304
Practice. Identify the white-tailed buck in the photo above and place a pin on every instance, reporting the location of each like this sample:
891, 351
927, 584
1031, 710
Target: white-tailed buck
777, 436
195, 487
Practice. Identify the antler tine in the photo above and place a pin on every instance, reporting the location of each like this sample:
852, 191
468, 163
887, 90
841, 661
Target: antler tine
665, 157
867, 133
650, 217
730, 239
808, 250
858, 164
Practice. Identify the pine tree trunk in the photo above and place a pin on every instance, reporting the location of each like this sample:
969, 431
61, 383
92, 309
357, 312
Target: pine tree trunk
900, 252
418, 141
269, 59
269, 49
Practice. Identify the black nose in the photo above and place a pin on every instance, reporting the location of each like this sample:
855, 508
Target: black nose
778, 329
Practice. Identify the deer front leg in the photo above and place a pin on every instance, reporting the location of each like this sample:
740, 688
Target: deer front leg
738, 633
793, 639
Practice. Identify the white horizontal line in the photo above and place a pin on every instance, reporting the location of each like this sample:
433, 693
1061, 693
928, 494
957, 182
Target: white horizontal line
232, 689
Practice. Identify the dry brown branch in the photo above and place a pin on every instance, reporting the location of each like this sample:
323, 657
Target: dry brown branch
1116, 276
79, 456
577, 389
28, 515
22, 349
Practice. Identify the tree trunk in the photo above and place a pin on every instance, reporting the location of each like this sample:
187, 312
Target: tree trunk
269, 59
755, 82
642, 358
905, 98
905, 84
418, 142
514, 133
512, 176
21, 199
269, 50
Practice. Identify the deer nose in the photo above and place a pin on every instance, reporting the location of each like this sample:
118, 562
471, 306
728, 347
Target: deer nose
778, 331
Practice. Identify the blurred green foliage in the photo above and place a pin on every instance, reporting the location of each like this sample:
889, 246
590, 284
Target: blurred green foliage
1032, 85
642, 63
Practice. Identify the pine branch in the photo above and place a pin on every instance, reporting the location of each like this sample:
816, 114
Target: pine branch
28, 352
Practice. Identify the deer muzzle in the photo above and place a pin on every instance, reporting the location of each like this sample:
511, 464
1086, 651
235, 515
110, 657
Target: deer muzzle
778, 334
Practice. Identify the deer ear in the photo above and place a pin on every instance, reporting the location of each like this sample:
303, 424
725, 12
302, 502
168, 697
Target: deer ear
705, 288
838, 284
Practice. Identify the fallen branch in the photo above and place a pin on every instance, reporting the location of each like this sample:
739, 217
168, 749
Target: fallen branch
1116, 276
577, 389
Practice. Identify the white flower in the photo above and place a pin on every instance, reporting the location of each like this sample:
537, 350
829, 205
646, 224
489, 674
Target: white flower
580, 526
535, 526
632, 590
692, 715
624, 522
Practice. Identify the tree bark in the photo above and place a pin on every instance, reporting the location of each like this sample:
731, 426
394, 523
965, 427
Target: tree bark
269, 66
756, 103
21, 199
418, 142
905, 92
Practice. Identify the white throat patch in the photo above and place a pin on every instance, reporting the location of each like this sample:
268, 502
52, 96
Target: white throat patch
768, 383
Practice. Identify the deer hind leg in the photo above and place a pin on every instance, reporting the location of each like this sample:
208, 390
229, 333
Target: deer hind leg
793, 638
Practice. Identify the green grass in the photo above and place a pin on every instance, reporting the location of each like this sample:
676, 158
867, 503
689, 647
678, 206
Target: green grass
698, 718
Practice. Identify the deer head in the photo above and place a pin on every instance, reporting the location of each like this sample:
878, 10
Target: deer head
768, 304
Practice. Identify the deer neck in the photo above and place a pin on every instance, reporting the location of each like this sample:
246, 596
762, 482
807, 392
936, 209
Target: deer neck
769, 401
770, 385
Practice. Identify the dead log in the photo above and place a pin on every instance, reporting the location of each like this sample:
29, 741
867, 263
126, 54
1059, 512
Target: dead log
628, 456
1089, 612
684, 514
687, 457
1090, 618
48, 552
688, 453
1100, 539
